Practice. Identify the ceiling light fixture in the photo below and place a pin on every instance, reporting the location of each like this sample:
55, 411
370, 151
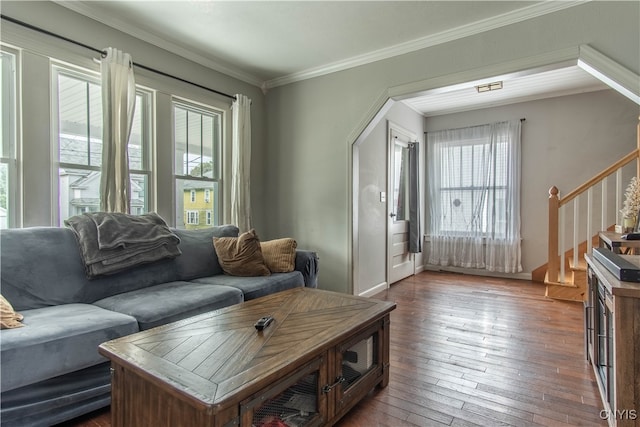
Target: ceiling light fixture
489, 87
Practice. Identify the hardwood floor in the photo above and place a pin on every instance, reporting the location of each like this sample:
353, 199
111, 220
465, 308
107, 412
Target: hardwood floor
475, 351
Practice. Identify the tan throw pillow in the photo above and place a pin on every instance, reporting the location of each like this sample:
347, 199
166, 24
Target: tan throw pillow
241, 256
280, 255
8, 317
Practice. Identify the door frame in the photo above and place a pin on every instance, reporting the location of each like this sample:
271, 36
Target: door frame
393, 129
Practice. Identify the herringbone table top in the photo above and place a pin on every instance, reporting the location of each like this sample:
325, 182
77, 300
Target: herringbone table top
211, 358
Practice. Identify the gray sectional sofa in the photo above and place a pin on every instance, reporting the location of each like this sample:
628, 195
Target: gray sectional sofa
50, 368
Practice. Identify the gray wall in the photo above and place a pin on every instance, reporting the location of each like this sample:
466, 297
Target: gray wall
565, 141
311, 123
373, 215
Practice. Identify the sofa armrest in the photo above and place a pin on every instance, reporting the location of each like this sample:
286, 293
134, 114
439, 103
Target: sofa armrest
307, 264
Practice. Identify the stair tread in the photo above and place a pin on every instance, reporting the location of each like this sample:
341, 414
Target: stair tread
581, 266
568, 283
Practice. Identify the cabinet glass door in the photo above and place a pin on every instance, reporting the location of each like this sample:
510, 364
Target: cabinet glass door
292, 402
359, 364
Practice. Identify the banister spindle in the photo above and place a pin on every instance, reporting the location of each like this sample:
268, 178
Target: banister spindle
554, 205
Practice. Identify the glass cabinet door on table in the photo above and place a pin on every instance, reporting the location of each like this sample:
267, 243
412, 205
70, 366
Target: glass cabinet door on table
359, 364
296, 401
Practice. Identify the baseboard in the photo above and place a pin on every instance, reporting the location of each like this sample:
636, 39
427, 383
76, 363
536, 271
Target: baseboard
478, 272
377, 288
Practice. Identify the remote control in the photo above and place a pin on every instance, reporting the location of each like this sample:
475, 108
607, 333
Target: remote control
263, 322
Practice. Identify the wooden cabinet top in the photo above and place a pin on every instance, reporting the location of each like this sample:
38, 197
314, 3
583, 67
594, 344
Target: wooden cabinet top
611, 282
219, 358
615, 240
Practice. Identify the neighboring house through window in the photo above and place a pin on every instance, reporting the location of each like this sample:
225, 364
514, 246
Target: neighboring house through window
197, 136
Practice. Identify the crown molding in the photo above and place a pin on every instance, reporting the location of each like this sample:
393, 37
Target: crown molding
477, 27
610, 72
218, 65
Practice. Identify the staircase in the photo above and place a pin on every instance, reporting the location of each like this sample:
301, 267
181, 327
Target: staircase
574, 287
576, 216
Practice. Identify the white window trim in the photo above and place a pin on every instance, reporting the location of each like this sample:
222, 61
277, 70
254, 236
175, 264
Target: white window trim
14, 172
196, 214
221, 154
148, 97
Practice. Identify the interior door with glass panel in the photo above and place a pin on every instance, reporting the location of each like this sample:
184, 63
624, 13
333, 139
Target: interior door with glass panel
400, 262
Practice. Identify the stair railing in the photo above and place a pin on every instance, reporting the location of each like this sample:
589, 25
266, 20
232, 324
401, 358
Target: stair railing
559, 206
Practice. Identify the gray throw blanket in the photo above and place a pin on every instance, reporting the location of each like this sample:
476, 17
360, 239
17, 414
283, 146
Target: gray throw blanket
111, 242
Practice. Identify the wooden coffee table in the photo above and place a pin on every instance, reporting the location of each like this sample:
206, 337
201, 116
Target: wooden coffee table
323, 352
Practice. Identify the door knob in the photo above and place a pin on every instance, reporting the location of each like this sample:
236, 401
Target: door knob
392, 214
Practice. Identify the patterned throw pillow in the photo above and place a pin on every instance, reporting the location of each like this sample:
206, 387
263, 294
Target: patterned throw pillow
8, 317
280, 255
241, 256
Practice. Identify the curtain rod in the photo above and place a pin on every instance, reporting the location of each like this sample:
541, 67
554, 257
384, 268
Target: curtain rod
465, 127
103, 54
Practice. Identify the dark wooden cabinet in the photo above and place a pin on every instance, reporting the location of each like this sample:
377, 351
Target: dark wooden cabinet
612, 341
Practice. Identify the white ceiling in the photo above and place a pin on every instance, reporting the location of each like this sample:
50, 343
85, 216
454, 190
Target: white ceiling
547, 84
270, 43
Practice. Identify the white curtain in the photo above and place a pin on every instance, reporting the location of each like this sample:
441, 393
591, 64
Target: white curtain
474, 189
118, 106
241, 163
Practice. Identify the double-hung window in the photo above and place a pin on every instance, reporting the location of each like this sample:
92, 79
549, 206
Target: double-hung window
8, 145
197, 136
79, 141
474, 196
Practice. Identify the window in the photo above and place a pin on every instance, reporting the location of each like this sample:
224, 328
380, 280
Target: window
474, 191
8, 148
197, 136
465, 201
193, 217
79, 131
473, 183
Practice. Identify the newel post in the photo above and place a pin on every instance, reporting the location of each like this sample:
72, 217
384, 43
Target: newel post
553, 265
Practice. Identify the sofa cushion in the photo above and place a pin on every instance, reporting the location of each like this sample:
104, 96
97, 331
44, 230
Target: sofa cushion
279, 255
255, 287
41, 266
169, 302
241, 256
199, 259
57, 340
8, 316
